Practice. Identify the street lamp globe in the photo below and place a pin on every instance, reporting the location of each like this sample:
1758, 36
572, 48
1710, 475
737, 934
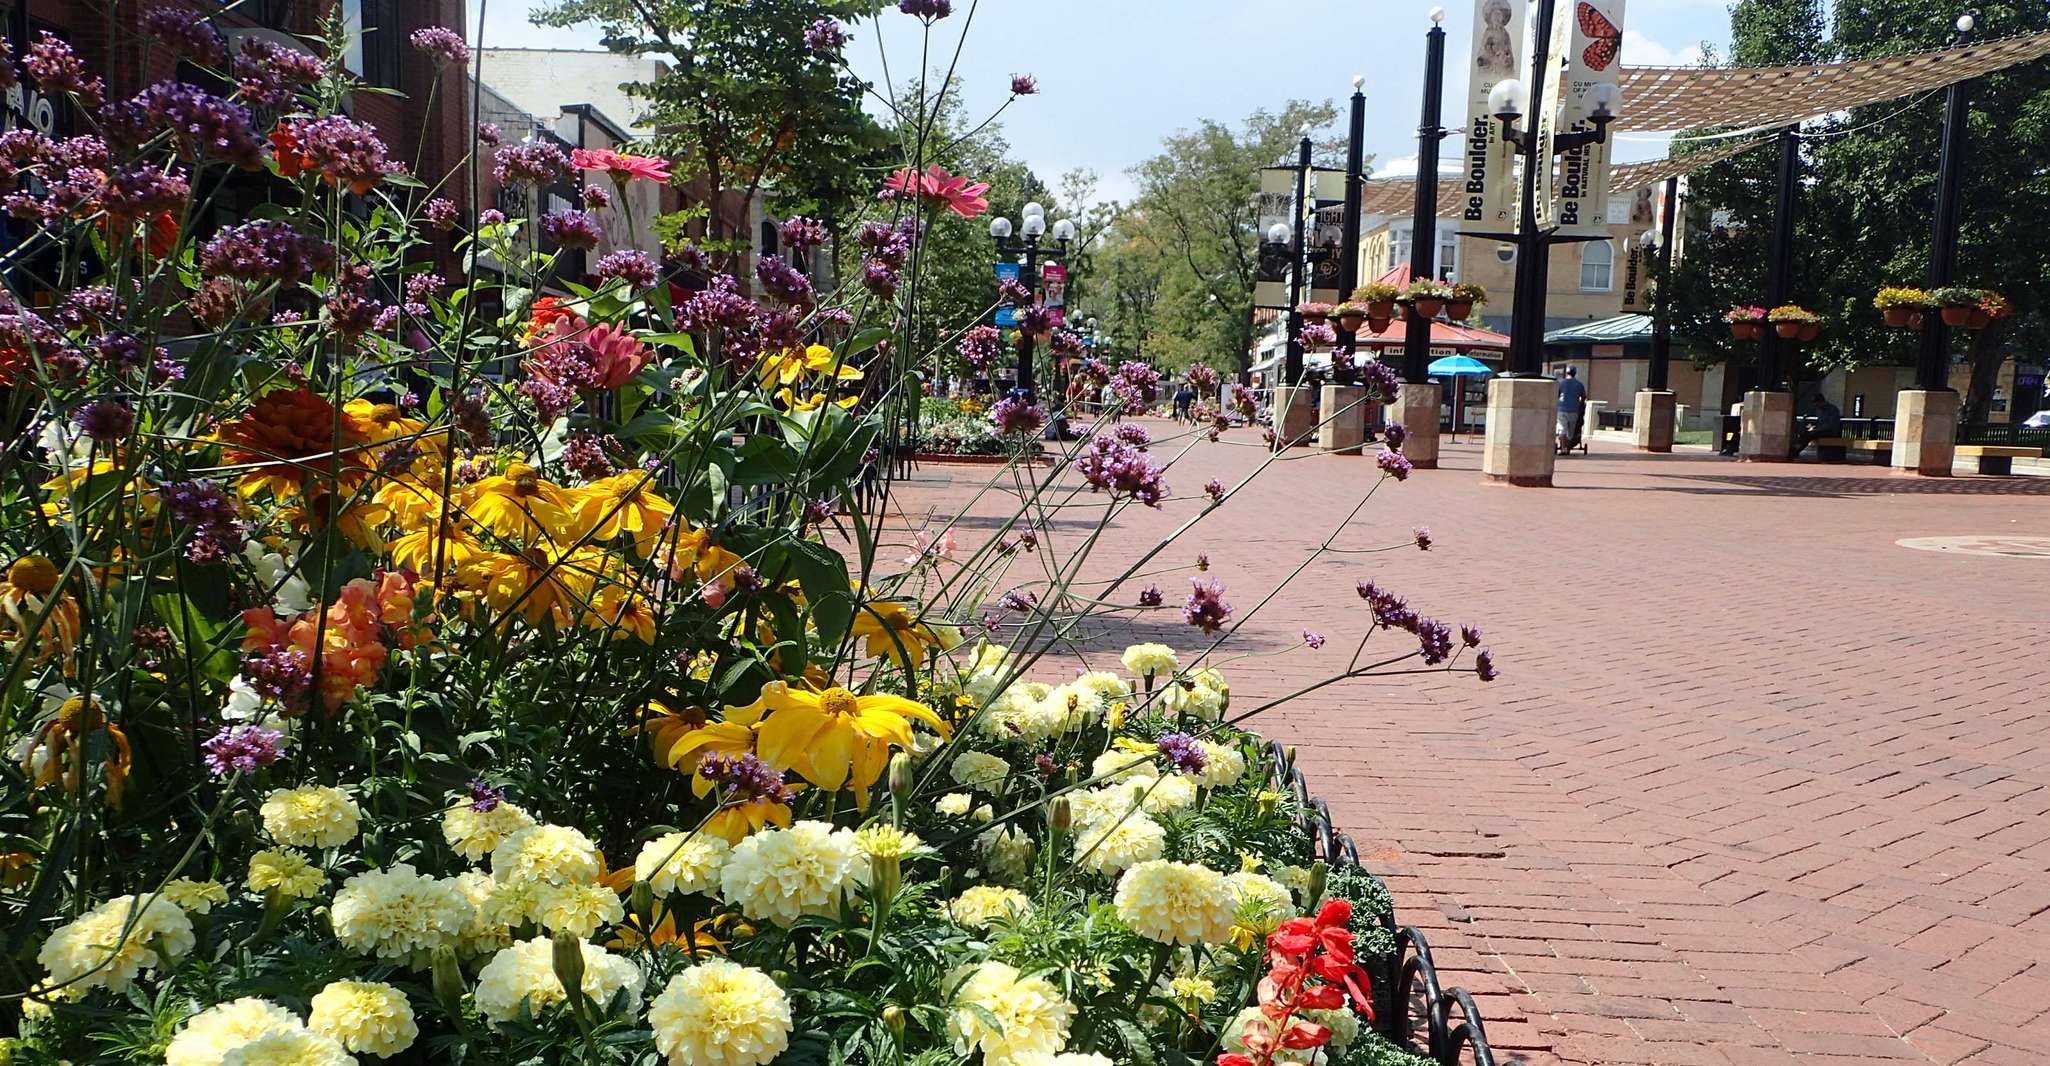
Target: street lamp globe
1063, 230
1359, 81
1505, 100
1437, 15
1277, 233
1966, 22
1648, 240
1034, 225
1605, 95
1033, 210
1000, 228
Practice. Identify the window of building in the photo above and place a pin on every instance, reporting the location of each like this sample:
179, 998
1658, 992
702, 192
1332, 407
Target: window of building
1398, 246
1597, 266
1448, 255
375, 30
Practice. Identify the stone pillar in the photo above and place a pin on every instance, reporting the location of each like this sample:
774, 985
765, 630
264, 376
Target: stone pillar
1522, 442
1344, 426
1417, 407
1925, 431
1295, 419
1652, 427
1766, 433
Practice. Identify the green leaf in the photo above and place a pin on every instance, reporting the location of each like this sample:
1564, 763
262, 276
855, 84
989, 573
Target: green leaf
822, 574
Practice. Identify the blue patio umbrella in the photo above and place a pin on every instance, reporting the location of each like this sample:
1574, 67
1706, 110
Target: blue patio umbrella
1457, 366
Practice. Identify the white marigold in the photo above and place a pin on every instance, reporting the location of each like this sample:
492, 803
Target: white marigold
1109, 686
290, 1047
487, 931
399, 913
1114, 845
1007, 852
525, 972
286, 872
980, 905
1155, 659
720, 1013
1031, 1015
1074, 707
195, 897
1259, 903
1223, 765
783, 874
1176, 903
475, 834
1115, 764
106, 947
367, 1016
312, 816
580, 909
207, 1037
684, 863
1065, 1058
979, 770
955, 804
556, 854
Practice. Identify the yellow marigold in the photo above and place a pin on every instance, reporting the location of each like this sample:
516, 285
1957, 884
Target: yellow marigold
475, 834
1031, 1016
720, 1013
290, 1047
195, 897
1150, 660
399, 913
525, 972
556, 854
835, 738
1223, 765
285, 871
888, 842
681, 862
1114, 845
980, 905
106, 947
783, 874
1259, 903
577, 909
1176, 903
979, 770
1192, 991
312, 816
207, 1037
367, 1016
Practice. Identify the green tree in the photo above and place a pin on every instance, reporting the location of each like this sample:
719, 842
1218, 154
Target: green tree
1197, 215
744, 104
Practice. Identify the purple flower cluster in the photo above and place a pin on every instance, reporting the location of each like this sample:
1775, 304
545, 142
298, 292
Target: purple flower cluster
1422, 536
630, 265
1202, 378
424, 286
140, 191
1024, 85
1137, 383
483, 797
1319, 335
441, 44
105, 422
825, 35
1390, 610
1243, 401
346, 152
529, 163
242, 749
1393, 464
440, 213
1214, 488
1394, 433
1035, 320
187, 32
556, 373
1434, 639
1182, 752
202, 125
584, 453
1016, 415
571, 228
595, 197
58, 70
265, 251
803, 234
929, 10
1133, 434
1206, 609
1150, 596
1312, 640
1013, 291
270, 74
889, 243
283, 675
1381, 380
1065, 343
980, 346
783, 281
1484, 665
1470, 635
1114, 466
1019, 600
880, 279
744, 777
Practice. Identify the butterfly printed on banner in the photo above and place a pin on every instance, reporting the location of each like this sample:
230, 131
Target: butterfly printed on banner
1605, 41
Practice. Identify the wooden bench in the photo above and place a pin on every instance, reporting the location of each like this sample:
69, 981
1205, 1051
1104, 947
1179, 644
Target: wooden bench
1880, 450
1830, 449
1995, 458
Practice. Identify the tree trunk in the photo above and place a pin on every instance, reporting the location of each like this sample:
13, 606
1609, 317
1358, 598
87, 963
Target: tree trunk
1985, 356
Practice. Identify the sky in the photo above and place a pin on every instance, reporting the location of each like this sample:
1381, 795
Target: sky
1115, 76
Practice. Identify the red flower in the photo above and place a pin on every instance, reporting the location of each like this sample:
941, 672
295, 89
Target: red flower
952, 190
622, 167
1310, 966
285, 148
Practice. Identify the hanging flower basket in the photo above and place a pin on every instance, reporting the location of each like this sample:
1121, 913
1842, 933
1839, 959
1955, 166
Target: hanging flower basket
1978, 319
1956, 316
1457, 310
1427, 306
1901, 306
1379, 323
1745, 322
1465, 297
1810, 331
1795, 322
1351, 316
1957, 303
1900, 317
1379, 298
1314, 313
1427, 298
1381, 310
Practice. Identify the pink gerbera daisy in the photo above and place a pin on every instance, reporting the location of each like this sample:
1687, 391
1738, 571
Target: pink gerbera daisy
622, 167
953, 190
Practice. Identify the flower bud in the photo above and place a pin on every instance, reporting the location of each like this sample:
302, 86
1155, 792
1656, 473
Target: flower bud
1320, 873
900, 776
885, 876
1269, 801
1060, 815
893, 1019
641, 902
448, 980
569, 967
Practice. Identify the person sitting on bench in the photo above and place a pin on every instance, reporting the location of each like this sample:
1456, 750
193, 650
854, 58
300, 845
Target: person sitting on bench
1829, 422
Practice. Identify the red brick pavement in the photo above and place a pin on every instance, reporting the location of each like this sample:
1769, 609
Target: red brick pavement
1756, 784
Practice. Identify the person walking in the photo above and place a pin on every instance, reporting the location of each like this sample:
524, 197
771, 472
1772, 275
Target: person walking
1572, 410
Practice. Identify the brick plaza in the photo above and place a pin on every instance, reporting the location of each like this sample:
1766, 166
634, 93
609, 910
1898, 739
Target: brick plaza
1758, 784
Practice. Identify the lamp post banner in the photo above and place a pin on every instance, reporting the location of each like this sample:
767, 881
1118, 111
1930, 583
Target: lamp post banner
1053, 290
1489, 194
1007, 312
1328, 238
1637, 270
1546, 119
1597, 58
1277, 198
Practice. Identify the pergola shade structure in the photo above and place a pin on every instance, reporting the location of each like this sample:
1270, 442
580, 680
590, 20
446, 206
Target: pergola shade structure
1394, 196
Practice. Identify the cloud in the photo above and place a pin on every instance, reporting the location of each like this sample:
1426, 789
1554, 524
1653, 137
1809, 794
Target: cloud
1641, 51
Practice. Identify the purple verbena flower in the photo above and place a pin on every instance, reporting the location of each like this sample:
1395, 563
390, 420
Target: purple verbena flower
1395, 435
529, 163
1313, 640
1134, 434
1470, 635
187, 32
1121, 469
1394, 464
1182, 752
1150, 596
1202, 561
825, 35
595, 197
440, 213
201, 125
1017, 416
1422, 535
483, 797
783, 281
1434, 639
980, 346
879, 278
441, 44
584, 453
58, 70
1484, 664
929, 10
803, 234
1024, 85
744, 777
630, 265
242, 749
571, 228
265, 251
1206, 609
209, 515
270, 74
1214, 488
106, 422
1020, 600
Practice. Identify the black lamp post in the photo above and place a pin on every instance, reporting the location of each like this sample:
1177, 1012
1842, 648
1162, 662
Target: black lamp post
1355, 179
1506, 102
1030, 253
1659, 246
1932, 360
1423, 226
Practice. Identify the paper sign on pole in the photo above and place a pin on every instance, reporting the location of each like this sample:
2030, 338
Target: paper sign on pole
1490, 188
1552, 79
1596, 58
